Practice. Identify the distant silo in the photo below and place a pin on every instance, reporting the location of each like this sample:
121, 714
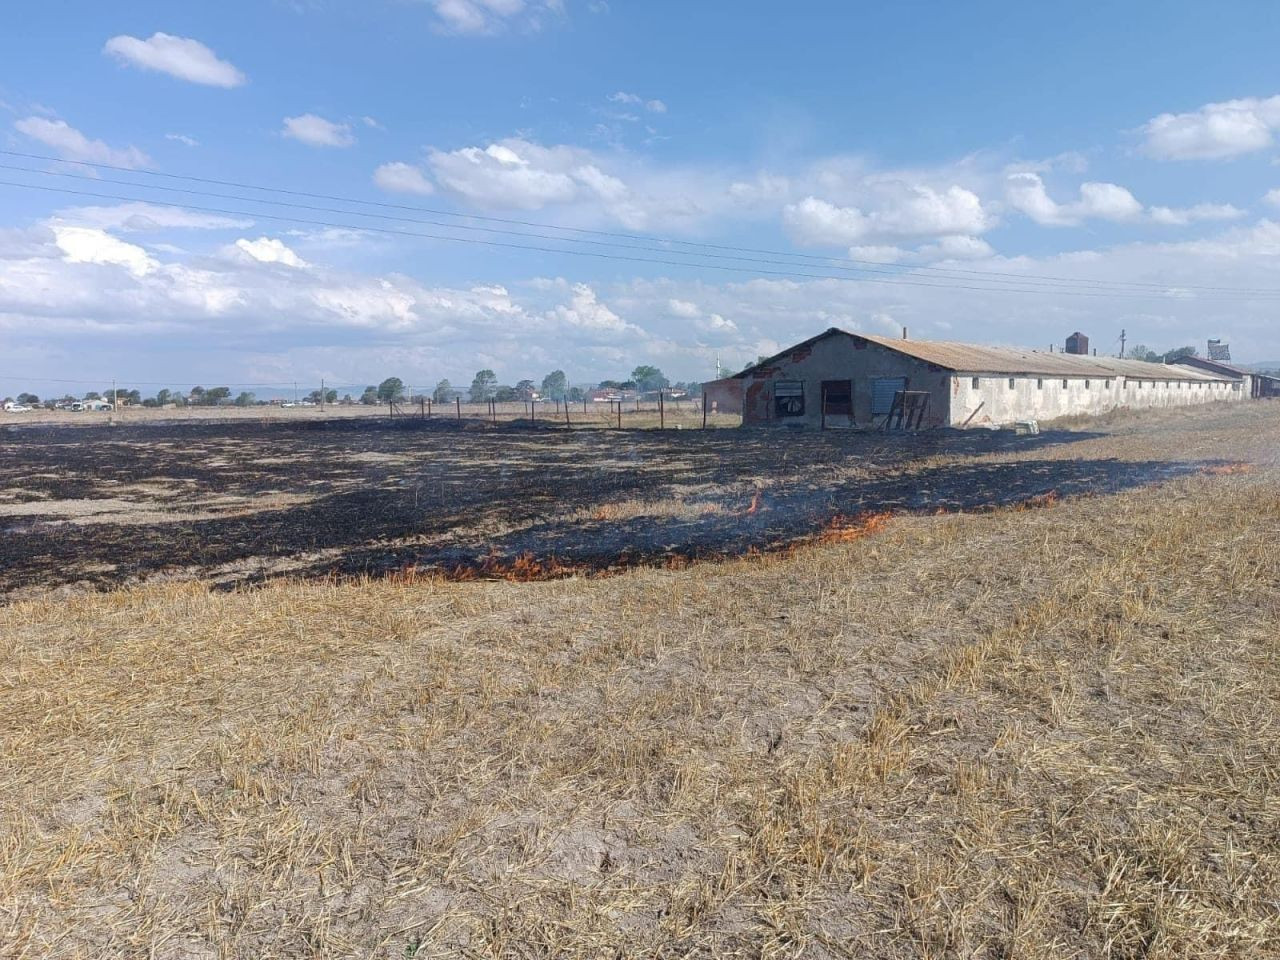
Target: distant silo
1078, 343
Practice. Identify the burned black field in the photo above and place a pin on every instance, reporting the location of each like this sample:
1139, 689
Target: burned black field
239, 502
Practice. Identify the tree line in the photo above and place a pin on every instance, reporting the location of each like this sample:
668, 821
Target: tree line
484, 387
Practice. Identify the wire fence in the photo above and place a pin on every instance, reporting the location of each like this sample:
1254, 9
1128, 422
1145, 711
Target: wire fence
649, 413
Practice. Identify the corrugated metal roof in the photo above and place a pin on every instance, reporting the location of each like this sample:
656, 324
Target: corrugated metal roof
1204, 363
978, 359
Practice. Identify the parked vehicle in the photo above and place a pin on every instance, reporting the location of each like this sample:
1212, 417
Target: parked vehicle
15, 407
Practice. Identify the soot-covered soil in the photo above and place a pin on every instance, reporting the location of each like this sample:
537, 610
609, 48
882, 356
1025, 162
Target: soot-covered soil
236, 501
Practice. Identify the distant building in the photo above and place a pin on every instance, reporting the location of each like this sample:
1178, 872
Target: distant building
1219, 351
841, 379
1254, 385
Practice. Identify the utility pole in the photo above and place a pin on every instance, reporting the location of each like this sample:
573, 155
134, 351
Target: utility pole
1121, 343
322, 394
115, 398
295, 393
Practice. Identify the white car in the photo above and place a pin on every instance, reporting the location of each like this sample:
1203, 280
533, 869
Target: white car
13, 407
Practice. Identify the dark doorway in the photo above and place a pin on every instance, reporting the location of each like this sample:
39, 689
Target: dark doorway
837, 403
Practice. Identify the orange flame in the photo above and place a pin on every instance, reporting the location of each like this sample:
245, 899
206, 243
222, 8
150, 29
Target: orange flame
755, 504
841, 529
526, 568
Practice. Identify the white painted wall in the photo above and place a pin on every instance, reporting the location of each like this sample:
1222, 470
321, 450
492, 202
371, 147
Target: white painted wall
993, 401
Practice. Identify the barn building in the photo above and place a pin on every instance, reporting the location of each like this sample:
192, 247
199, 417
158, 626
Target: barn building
839, 379
1255, 385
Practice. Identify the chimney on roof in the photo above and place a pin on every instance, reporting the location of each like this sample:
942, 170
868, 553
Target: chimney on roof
904, 333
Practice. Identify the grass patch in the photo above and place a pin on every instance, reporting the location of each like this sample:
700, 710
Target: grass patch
1027, 733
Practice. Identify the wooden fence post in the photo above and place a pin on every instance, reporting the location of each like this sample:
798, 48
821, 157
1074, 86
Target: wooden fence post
704, 411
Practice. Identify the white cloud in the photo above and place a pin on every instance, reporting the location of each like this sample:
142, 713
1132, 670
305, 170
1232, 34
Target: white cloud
61, 288
903, 210
715, 324
86, 245
878, 253
1103, 201
146, 218
1214, 131
490, 16
1181, 216
635, 100
513, 173
1272, 197
269, 250
317, 131
71, 144
179, 57
957, 248
766, 189
585, 311
402, 178
183, 139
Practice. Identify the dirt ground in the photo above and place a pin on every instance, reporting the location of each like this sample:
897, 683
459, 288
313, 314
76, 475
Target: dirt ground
236, 501
1048, 730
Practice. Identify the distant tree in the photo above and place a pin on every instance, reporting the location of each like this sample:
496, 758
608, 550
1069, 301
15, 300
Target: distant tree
483, 386
1140, 351
443, 393
216, 395
197, 394
245, 399
1177, 353
346, 400
575, 395
323, 396
93, 395
391, 389
30, 399
163, 396
648, 378
151, 402
131, 396
693, 388
179, 398
554, 385
370, 396
505, 394
610, 384
525, 390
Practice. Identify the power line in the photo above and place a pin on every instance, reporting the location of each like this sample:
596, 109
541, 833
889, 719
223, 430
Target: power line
790, 274
987, 275
857, 270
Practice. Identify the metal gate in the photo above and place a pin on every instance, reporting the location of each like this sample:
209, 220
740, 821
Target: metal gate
883, 390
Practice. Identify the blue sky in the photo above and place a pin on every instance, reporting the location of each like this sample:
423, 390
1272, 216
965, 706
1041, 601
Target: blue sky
945, 158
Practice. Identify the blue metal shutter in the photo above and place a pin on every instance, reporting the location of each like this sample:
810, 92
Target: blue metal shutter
882, 391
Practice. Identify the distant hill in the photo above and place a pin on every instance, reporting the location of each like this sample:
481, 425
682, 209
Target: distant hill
1261, 365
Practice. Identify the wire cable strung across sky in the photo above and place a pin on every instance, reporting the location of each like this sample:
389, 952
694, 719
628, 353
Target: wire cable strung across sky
583, 230
978, 281
995, 279
789, 274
